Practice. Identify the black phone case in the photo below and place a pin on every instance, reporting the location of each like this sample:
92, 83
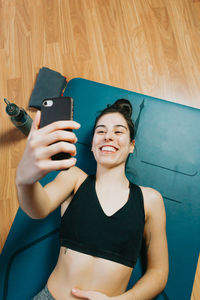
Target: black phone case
61, 109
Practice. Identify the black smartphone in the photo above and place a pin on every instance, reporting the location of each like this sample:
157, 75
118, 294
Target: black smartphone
57, 109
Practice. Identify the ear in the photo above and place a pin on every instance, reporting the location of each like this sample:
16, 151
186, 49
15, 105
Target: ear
132, 146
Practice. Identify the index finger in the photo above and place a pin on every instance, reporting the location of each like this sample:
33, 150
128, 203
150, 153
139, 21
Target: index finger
60, 125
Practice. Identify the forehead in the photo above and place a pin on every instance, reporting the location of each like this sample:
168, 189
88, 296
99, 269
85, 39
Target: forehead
112, 119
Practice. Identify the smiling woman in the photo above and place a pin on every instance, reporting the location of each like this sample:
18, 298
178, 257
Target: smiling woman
113, 133
105, 217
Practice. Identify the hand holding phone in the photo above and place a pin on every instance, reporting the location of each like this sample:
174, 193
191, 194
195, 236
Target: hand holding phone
50, 135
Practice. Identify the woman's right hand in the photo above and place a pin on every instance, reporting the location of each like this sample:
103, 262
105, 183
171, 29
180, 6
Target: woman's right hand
42, 143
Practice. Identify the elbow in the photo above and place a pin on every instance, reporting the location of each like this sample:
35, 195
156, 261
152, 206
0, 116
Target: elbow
34, 214
162, 276
37, 216
159, 278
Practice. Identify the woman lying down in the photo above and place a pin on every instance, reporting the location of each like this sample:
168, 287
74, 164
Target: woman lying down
105, 217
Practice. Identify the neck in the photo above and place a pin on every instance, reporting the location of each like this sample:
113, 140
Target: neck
111, 176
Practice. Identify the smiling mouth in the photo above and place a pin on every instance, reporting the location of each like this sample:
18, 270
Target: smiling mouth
108, 149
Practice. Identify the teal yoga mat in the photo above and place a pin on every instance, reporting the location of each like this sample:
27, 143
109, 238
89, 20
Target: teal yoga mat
166, 158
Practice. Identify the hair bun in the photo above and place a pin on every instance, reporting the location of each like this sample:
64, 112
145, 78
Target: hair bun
123, 105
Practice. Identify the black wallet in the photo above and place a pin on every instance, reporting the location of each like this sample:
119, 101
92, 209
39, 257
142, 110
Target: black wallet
49, 83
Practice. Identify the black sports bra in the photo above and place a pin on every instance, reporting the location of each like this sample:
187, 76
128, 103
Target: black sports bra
86, 228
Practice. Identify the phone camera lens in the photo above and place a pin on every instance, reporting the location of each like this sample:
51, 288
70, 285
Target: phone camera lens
48, 103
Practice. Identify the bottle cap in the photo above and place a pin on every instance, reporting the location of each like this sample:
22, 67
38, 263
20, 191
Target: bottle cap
11, 108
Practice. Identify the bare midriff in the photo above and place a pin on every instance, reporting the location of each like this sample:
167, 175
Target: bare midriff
75, 269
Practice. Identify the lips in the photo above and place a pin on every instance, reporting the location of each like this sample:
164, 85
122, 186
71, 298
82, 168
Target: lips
108, 148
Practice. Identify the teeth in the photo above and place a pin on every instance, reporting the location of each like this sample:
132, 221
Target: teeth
108, 148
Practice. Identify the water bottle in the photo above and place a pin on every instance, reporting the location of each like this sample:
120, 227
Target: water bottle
19, 117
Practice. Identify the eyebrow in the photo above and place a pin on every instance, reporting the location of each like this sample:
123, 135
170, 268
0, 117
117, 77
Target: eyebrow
118, 125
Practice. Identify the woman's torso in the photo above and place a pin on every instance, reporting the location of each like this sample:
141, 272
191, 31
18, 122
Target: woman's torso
87, 272
75, 269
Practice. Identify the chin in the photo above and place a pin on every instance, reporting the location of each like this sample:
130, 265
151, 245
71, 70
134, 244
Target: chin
109, 163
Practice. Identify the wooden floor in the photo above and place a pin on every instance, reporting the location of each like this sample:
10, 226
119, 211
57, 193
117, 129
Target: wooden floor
147, 46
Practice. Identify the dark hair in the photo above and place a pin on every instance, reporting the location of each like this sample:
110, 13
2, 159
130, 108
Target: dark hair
124, 107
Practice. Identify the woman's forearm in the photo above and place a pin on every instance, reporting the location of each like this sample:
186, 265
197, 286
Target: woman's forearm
33, 199
149, 286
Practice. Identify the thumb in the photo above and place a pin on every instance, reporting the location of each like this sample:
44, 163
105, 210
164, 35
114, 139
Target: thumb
82, 294
36, 121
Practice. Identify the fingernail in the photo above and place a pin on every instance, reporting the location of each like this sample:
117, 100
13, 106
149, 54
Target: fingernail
74, 290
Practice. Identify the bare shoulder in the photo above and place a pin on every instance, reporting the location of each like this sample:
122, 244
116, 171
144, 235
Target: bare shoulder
151, 194
74, 174
80, 176
153, 201
73, 171
65, 183
77, 176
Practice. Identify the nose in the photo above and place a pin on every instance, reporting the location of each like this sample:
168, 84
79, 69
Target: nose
109, 136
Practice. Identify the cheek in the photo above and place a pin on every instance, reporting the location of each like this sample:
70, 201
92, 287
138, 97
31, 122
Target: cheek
94, 142
124, 141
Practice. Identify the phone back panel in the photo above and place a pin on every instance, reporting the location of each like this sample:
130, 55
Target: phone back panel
61, 109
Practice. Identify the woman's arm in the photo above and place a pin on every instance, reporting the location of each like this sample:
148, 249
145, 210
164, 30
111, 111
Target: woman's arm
38, 201
155, 278
36, 162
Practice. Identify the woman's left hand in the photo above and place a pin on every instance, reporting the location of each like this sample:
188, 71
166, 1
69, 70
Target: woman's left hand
91, 295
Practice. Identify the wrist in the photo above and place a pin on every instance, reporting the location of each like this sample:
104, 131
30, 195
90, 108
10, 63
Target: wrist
22, 182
